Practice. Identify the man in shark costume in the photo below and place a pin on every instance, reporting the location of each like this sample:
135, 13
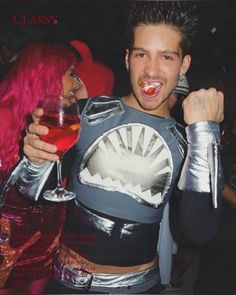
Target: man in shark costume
129, 158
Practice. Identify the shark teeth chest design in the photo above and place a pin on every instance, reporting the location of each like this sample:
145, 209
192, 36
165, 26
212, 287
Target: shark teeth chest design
133, 159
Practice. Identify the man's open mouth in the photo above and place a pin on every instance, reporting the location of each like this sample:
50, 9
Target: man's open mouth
149, 88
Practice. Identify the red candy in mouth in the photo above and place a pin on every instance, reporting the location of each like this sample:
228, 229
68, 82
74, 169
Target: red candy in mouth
149, 88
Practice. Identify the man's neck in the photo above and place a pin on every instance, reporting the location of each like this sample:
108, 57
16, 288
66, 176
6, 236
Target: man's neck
161, 111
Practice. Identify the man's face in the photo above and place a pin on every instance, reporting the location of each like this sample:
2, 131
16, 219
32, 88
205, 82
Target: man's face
155, 63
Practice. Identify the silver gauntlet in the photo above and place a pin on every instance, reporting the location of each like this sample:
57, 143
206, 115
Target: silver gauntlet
32, 177
202, 166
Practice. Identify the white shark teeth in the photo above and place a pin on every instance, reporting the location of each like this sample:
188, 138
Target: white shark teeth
133, 159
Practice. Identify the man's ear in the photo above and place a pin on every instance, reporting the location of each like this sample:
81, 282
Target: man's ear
185, 64
127, 60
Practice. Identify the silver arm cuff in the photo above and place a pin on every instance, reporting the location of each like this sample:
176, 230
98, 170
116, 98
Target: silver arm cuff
32, 177
201, 166
8, 183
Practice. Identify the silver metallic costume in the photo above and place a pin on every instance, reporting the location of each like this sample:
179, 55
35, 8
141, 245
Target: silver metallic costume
125, 167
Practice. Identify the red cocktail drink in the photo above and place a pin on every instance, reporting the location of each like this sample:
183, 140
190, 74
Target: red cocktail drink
64, 134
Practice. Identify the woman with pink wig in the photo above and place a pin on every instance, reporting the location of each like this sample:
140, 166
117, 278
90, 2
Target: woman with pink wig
33, 229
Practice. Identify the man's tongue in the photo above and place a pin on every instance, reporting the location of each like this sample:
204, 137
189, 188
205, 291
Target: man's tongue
149, 88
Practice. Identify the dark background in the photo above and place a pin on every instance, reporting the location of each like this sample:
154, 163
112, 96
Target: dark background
101, 24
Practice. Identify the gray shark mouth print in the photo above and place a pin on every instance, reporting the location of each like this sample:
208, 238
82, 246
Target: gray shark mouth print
133, 159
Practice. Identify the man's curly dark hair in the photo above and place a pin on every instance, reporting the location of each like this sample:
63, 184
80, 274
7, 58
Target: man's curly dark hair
179, 14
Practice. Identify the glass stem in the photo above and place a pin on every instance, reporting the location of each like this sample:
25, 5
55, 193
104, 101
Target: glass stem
59, 179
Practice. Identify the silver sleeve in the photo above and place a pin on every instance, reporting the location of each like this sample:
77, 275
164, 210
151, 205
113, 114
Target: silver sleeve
202, 167
32, 177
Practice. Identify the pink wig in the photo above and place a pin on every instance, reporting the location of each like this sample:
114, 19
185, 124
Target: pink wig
37, 71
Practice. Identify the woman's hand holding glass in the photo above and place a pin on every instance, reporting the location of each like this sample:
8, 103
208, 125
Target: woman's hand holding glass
59, 124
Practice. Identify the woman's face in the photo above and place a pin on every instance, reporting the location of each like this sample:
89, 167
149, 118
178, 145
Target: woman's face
71, 82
